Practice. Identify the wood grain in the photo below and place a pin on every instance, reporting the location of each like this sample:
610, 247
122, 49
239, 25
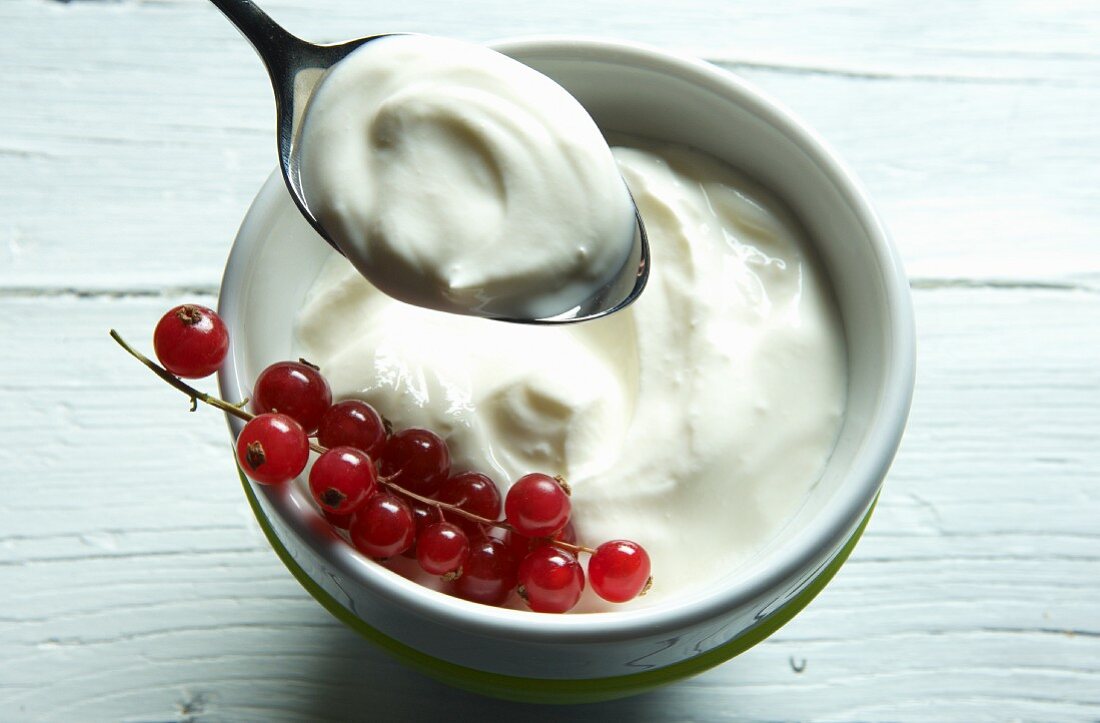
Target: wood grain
137, 587
137, 583
159, 138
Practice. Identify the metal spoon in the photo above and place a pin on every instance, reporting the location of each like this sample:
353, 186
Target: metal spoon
296, 68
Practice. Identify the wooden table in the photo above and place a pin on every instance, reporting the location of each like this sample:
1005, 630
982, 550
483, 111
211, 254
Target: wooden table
137, 587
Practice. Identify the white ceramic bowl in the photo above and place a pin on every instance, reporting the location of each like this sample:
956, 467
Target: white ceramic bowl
517, 654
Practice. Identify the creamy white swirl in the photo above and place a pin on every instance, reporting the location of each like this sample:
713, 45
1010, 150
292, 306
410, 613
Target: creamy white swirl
458, 179
694, 422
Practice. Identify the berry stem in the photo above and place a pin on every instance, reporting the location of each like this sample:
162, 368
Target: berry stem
190, 391
386, 481
179, 384
575, 549
239, 413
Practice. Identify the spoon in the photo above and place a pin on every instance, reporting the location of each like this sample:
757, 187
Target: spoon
296, 67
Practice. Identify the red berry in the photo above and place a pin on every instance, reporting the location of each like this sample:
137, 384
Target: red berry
272, 449
489, 573
518, 544
383, 526
567, 534
550, 580
341, 521
442, 548
619, 570
191, 341
418, 460
295, 389
521, 545
423, 515
473, 492
352, 423
342, 479
537, 506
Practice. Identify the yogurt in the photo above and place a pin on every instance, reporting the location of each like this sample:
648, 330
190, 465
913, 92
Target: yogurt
458, 179
694, 422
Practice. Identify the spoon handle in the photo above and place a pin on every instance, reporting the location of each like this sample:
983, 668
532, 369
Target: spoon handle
280, 51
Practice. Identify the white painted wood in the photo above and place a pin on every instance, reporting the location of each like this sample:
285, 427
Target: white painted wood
132, 126
135, 585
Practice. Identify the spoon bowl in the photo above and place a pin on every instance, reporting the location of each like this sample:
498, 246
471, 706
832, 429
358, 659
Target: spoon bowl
296, 68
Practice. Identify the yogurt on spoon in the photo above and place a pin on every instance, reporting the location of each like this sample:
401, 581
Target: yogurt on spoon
457, 179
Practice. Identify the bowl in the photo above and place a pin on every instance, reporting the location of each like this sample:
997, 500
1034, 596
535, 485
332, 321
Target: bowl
520, 655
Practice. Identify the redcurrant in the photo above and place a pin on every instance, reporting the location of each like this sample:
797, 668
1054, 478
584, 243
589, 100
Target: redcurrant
342, 479
423, 515
550, 580
521, 545
191, 341
295, 389
473, 492
537, 505
272, 449
352, 423
341, 521
619, 570
489, 573
383, 526
417, 460
442, 549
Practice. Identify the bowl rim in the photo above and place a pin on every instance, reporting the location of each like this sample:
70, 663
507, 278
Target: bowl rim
826, 532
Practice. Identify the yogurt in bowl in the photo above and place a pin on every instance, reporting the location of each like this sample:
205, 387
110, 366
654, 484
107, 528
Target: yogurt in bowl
513, 653
693, 422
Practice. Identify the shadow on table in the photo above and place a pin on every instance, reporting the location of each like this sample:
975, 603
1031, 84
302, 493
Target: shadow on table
360, 681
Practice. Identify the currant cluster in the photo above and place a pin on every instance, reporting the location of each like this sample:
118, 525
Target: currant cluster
394, 493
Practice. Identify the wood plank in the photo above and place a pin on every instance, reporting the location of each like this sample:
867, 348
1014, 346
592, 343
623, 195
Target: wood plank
134, 133
138, 588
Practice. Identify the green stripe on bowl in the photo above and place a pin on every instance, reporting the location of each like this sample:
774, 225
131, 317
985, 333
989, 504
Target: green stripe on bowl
537, 690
